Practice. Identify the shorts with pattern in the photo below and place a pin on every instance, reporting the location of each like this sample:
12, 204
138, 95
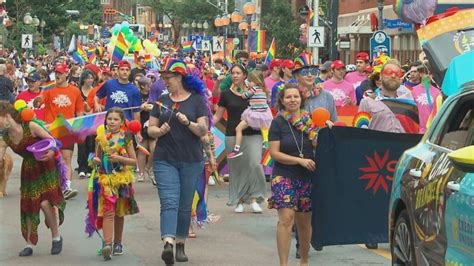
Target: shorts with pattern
290, 193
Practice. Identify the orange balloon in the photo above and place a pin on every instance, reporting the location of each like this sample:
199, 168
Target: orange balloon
27, 114
319, 116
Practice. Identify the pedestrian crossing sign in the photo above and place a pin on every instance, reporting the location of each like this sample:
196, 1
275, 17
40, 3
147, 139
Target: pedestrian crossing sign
315, 37
27, 41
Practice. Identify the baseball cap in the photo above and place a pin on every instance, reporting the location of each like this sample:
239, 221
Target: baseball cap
61, 68
106, 70
274, 63
93, 68
124, 63
337, 64
362, 56
33, 76
326, 66
288, 63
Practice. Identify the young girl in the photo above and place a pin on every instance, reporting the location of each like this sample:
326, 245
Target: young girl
258, 115
115, 157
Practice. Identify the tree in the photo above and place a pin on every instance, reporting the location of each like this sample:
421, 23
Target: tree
281, 25
184, 11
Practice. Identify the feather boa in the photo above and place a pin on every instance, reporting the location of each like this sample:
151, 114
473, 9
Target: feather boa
303, 124
195, 84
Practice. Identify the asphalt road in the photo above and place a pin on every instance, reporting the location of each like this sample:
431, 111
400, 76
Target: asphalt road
235, 239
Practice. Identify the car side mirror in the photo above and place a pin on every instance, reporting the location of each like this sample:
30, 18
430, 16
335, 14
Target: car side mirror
463, 158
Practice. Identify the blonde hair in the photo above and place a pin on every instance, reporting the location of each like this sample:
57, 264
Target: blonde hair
256, 77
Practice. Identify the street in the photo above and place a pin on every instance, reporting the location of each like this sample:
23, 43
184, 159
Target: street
236, 239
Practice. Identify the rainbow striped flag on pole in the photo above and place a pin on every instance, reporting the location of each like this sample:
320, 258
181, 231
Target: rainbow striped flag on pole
267, 159
80, 51
271, 53
310, 18
148, 60
256, 41
120, 48
188, 47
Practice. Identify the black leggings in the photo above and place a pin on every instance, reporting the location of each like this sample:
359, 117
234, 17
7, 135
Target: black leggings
83, 151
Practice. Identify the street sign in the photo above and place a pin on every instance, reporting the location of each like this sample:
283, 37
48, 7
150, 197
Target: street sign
206, 45
380, 43
27, 41
184, 39
106, 33
344, 44
217, 44
315, 37
160, 36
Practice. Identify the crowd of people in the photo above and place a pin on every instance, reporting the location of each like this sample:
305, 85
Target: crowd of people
177, 106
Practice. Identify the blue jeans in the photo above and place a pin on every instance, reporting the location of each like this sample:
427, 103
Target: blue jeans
176, 183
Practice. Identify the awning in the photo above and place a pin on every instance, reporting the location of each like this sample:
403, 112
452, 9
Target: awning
359, 22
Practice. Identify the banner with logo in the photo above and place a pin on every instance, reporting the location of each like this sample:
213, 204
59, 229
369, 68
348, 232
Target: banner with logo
352, 184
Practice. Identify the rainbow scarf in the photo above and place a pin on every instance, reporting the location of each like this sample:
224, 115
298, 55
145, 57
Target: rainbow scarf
303, 124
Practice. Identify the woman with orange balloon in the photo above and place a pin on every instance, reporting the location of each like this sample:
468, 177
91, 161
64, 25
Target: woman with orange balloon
292, 138
42, 175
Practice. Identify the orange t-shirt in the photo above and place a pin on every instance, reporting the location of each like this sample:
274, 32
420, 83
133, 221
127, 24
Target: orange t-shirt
91, 95
66, 101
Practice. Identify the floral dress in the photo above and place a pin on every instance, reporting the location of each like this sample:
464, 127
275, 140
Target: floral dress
40, 181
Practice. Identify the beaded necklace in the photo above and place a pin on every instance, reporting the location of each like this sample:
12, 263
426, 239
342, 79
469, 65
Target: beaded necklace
303, 124
313, 92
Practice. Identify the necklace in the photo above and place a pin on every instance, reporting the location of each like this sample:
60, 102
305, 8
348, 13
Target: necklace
302, 123
300, 150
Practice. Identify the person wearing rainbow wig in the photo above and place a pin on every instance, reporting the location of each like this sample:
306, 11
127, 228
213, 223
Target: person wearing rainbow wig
178, 120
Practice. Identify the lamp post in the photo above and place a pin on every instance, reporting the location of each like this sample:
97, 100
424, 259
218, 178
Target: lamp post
42, 25
236, 18
27, 19
249, 11
380, 4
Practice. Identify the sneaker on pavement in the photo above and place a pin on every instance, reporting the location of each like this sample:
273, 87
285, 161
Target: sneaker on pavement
256, 208
57, 246
106, 251
239, 208
140, 177
69, 193
234, 154
26, 252
82, 175
211, 181
118, 249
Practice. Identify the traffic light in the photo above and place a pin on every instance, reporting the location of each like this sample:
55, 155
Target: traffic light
133, 19
110, 11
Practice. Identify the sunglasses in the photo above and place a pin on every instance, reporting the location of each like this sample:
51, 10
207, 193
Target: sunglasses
313, 71
389, 72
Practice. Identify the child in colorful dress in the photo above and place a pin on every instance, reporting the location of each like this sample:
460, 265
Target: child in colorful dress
258, 115
112, 185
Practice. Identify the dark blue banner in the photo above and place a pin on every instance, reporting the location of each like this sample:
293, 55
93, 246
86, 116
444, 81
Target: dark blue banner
352, 184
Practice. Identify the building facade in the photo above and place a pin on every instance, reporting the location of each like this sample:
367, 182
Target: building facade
116, 11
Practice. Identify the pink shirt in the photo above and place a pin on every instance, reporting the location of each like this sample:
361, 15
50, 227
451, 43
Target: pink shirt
340, 90
29, 97
269, 83
424, 107
355, 78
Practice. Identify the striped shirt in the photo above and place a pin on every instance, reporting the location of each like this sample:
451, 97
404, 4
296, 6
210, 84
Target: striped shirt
257, 99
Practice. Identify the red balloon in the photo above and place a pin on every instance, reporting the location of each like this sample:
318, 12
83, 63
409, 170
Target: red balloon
340, 124
27, 114
134, 126
319, 116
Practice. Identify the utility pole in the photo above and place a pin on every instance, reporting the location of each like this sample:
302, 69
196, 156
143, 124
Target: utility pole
334, 11
380, 7
315, 23
226, 12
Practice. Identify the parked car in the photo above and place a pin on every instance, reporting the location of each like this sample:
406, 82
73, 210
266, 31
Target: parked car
431, 213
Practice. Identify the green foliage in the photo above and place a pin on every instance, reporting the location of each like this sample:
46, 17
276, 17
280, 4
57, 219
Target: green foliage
281, 25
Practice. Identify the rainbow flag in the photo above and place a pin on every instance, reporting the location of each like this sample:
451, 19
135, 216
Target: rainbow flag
77, 57
86, 125
99, 51
148, 60
436, 107
80, 51
120, 48
266, 159
229, 61
61, 130
310, 18
90, 51
49, 85
93, 59
271, 53
188, 47
256, 41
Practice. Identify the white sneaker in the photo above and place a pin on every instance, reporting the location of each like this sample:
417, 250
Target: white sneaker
140, 177
239, 208
256, 208
82, 175
211, 181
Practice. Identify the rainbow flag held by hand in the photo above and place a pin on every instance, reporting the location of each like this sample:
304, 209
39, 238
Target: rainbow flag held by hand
80, 51
60, 129
256, 40
100, 51
271, 53
120, 48
266, 159
86, 125
436, 107
93, 59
